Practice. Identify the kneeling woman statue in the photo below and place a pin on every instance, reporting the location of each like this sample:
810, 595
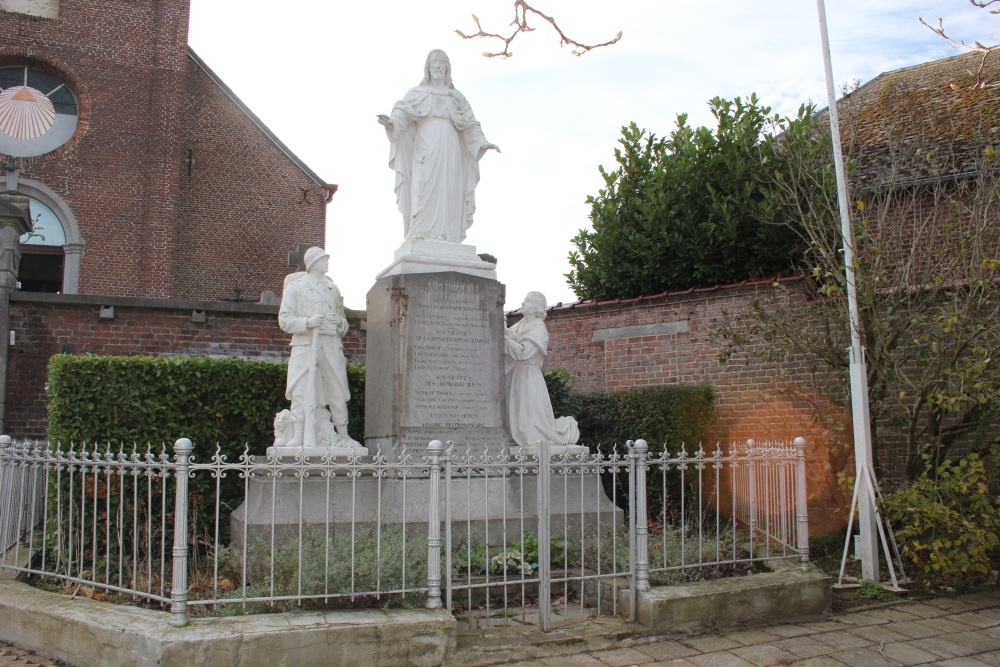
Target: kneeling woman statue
528, 404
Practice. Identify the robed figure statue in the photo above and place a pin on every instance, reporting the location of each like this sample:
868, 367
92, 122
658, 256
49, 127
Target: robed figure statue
529, 407
436, 147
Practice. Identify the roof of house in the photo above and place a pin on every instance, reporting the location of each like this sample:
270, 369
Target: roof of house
923, 121
253, 117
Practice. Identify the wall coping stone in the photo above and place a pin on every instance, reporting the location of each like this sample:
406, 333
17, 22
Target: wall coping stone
232, 307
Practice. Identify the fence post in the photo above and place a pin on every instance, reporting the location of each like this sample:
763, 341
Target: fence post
641, 519
434, 449
179, 586
544, 535
801, 506
6, 494
752, 490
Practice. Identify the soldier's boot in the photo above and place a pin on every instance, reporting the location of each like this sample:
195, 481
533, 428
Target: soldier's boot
343, 436
298, 430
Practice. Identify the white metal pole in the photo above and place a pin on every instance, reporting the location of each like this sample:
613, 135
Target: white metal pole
859, 372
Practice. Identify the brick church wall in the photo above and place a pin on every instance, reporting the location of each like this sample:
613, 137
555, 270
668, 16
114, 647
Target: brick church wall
244, 204
154, 228
45, 325
126, 61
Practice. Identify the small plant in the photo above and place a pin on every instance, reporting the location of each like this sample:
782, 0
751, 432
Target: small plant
872, 590
511, 562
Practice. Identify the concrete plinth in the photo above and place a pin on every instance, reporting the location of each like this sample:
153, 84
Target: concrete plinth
787, 594
485, 510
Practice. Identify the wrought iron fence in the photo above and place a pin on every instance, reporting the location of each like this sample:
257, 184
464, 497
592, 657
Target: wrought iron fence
492, 537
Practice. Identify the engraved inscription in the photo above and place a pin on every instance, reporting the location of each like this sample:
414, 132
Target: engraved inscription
453, 364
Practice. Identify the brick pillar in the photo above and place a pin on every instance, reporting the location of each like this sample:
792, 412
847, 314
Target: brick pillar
14, 222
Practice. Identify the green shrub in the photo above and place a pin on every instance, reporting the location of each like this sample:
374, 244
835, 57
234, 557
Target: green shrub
664, 415
947, 524
229, 402
560, 385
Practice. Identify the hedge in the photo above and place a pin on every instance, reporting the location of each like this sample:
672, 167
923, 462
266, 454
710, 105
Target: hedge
232, 402
229, 402
662, 416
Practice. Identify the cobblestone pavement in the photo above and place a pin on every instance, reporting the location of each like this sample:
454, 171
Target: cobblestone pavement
960, 631
11, 656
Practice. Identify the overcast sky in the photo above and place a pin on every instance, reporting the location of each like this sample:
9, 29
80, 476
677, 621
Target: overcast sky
317, 72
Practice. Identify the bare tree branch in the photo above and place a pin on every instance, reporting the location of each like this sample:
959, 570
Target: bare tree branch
975, 46
520, 24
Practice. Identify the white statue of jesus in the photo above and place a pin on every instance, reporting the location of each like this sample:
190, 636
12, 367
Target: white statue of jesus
436, 147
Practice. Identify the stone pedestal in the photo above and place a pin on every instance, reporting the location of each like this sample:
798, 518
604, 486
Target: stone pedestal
477, 504
426, 256
435, 363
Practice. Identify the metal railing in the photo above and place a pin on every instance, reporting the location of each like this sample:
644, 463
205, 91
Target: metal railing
492, 537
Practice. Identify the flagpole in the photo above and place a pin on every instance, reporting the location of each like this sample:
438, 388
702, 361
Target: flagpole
868, 547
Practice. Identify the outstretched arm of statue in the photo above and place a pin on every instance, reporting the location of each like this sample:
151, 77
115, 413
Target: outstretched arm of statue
488, 146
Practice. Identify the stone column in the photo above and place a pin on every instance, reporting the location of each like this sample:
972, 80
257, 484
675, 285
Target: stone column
14, 222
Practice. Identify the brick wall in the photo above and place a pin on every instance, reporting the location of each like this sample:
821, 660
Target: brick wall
669, 340
49, 324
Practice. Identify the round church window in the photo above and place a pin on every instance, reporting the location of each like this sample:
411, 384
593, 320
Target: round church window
38, 112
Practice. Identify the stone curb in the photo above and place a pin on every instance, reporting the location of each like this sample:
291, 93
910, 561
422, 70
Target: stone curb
80, 631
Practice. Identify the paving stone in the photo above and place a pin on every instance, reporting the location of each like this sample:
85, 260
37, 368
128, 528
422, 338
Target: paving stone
961, 662
914, 630
788, 630
763, 654
894, 614
719, 659
862, 618
984, 618
709, 643
579, 660
676, 662
621, 657
986, 598
748, 637
924, 610
980, 641
842, 640
956, 605
667, 650
824, 626
943, 625
804, 647
991, 658
864, 657
907, 654
818, 661
942, 647
879, 634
